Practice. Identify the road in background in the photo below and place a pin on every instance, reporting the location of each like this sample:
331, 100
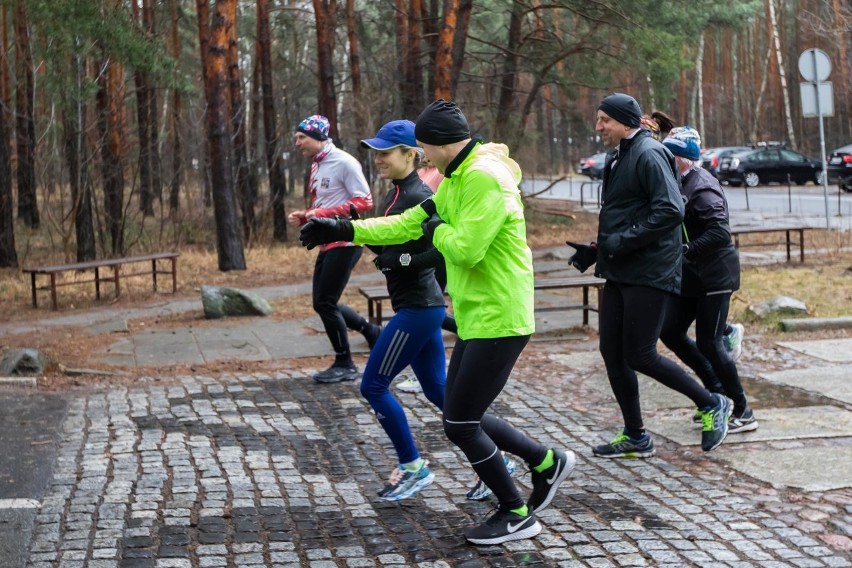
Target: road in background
805, 203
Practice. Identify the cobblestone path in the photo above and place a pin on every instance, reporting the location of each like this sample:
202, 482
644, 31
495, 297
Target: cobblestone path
257, 470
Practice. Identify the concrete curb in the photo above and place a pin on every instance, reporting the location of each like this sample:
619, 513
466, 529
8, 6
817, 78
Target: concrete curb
816, 324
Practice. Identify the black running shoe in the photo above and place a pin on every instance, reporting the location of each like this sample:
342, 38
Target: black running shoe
335, 374
504, 526
547, 482
745, 422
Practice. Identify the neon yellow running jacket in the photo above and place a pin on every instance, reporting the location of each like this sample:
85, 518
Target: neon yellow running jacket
483, 240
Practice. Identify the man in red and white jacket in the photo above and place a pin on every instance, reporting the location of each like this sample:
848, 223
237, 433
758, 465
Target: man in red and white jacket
337, 187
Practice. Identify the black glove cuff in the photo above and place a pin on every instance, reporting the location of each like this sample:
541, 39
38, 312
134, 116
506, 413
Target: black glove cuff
428, 205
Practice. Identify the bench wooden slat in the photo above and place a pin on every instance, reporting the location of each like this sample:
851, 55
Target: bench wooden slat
98, 263
376, 295
113, 263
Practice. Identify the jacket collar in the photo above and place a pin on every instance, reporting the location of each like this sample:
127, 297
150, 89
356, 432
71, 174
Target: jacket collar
460, 157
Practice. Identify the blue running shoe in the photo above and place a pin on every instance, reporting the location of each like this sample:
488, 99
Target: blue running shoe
403, 483
480, 491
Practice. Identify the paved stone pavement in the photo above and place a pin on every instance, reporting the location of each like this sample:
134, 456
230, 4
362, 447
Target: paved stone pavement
270, 469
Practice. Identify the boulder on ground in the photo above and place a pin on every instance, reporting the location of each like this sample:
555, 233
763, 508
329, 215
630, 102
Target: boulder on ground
780, 305
29, 362
219, 301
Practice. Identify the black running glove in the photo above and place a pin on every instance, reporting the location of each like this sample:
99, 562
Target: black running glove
430, 224
585, 256
428, 205
322, 230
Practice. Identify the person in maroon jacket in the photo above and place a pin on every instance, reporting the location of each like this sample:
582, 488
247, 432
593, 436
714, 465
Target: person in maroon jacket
338, 188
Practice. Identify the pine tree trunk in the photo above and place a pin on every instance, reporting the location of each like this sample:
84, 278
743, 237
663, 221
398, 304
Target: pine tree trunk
228, 244
8, 255
413, 70
791, 134
444, 51
238, 129
76, 156
699, 83
271, 142
111, 124
503, 124
176, 175
202, 8
460, 42
25, 123
326, 22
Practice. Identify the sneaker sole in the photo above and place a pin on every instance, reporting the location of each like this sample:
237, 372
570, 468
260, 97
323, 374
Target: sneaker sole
409, 390
423, 483
751, 426
528, 532
637, 455
342, 379
570, 462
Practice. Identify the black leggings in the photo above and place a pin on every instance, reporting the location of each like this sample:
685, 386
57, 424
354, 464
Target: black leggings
478, 371
631, 319
707, 355
331, 274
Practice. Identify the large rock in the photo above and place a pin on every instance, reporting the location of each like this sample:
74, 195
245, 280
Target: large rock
780, 305
219, 302
28, 362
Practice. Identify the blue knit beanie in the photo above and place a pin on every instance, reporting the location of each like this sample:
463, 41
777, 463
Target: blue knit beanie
684, 142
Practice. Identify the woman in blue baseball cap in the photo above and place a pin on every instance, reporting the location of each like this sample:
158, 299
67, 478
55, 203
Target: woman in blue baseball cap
413, 336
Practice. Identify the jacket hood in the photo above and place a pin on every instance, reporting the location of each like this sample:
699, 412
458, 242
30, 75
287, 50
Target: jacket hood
494, 158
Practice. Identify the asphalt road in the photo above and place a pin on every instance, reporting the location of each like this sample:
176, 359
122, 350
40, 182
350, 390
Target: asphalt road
29, 436
806, 201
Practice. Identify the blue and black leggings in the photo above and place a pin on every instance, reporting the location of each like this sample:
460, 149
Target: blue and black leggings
411, 337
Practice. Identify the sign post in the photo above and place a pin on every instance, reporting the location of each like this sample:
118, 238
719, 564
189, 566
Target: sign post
815, 67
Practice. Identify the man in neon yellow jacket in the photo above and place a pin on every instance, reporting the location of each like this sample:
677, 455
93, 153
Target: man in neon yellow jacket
476, 221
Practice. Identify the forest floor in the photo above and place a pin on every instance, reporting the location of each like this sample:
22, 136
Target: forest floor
824, 283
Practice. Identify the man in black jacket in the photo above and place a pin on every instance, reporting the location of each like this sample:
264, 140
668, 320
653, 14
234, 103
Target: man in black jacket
638, 252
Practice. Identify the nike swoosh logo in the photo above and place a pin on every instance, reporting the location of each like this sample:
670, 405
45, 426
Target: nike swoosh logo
555, 473
512, 528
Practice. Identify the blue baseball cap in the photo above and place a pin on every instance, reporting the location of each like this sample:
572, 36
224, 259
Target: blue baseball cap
392, 135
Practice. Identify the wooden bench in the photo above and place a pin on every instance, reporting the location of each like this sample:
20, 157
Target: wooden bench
788, 241
113, 263
376, 295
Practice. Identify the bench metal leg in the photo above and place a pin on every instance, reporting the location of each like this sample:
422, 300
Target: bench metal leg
97, 284
115, 276
802, 245
788, 245
174, 275
371, 313
154, 273
53, 291
585, 305
33, 280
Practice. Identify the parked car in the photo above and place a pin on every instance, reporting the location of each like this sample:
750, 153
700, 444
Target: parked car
712, 157
593, 166
840, 167
767, 165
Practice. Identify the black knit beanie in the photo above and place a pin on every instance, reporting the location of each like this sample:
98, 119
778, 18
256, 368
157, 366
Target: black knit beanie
622, 108
442, 122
